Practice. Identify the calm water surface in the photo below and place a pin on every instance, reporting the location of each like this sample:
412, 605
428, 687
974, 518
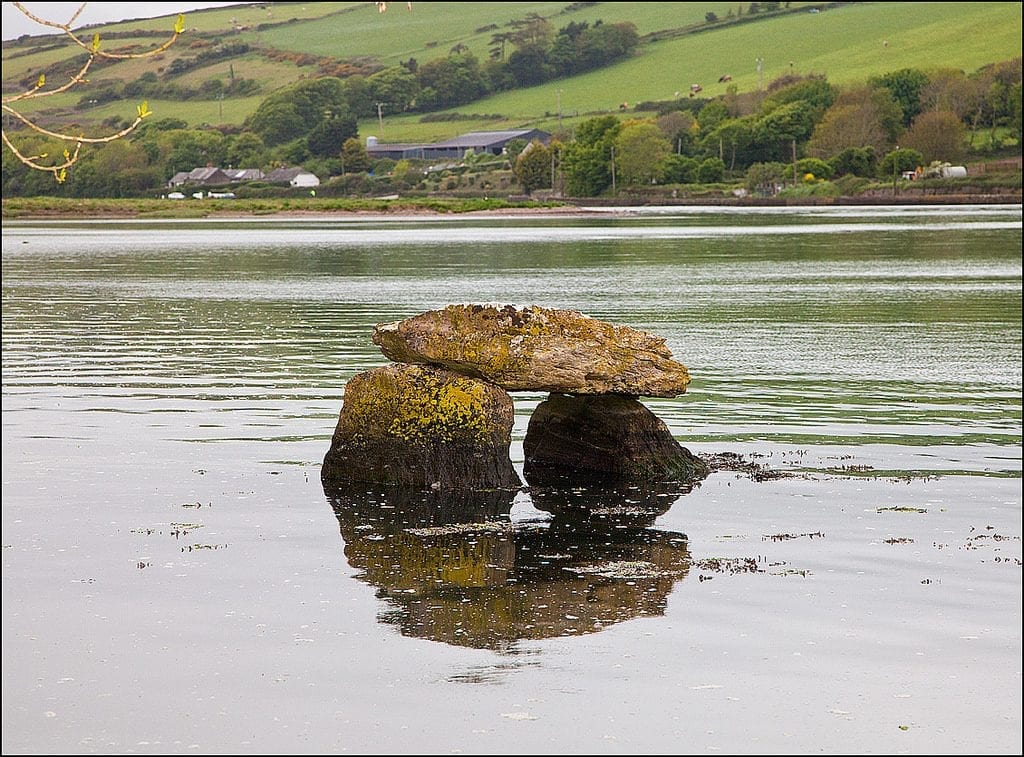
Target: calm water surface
176, 579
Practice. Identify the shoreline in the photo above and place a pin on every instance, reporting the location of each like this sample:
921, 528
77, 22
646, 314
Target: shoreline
43, 209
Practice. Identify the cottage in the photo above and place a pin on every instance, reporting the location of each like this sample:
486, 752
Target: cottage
207, 176
244, 174
210, 176
296, 177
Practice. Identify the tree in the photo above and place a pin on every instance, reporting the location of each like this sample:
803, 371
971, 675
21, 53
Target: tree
327, 137
450, 81
295, 111
711, 115
639, 149
534, 166
361, 101
1014, 104
192, 148
906, 86
899, 160
995, 101
712, 170
815, 91
814, 166
733, 139
354, 157
276, 122
679, 128
563, 56
858, 161
532, 30
246, 151
678, 169
498, 42
859, 117
776, 132
603, 43
950, 89
1002, 97
529, 65
118, 169
938, 135
395, 86
12, 104
587, 162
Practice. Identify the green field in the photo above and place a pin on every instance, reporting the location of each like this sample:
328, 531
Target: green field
430, 30
846, 42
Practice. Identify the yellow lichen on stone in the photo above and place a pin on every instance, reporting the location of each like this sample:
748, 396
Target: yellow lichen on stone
418, 406
441, 411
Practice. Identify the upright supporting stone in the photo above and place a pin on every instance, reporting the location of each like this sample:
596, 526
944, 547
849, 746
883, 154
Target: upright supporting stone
588, 439
420, 426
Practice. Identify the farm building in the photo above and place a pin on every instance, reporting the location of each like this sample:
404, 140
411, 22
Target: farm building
478, 141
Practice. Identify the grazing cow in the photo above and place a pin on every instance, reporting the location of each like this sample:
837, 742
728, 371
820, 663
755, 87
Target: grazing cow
724, 78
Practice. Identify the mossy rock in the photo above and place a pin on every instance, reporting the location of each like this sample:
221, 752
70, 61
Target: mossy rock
421, 426
609, 439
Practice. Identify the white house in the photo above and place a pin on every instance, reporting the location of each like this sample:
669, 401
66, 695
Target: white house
296, 177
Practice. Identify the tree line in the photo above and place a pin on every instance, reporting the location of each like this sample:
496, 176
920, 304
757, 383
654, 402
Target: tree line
799, 125
800, 128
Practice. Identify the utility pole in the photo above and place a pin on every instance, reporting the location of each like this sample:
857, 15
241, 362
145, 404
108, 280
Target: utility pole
895, 163
760, 75
380, 116
559, 111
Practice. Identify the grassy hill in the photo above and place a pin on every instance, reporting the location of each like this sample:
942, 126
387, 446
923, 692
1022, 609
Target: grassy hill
848, 42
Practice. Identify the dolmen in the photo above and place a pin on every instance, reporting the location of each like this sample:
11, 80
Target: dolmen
440, 416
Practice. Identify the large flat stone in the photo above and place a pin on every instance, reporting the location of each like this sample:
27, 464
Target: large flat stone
536, 349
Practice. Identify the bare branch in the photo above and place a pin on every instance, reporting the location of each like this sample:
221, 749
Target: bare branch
59, 170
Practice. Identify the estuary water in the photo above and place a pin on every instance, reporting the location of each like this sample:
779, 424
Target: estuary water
176, 579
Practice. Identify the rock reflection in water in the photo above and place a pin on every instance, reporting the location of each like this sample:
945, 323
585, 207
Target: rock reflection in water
455, 568
613, 503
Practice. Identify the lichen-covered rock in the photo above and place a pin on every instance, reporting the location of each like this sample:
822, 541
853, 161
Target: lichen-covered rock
604, 438
536, 349
421, 426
